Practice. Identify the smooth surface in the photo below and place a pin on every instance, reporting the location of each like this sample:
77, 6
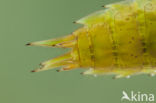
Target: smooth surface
23, 21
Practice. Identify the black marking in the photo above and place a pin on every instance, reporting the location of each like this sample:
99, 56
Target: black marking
54, 45
115, 53
132, 38
144, 50
78, 51
58, 70
104, 6
147, 60
91, 48
136, 56
82, 73
127, 19
33, 71
132, 55
114, 47
115, 44
74, 22
28, 44
143, 43
130, 42
145, 63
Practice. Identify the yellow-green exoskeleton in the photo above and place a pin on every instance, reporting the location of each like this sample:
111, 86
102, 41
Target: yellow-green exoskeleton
121, 40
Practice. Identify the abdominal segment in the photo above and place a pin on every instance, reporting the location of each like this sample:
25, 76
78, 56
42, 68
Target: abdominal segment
120, 39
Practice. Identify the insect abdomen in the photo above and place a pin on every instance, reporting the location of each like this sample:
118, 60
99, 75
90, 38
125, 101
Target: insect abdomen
120, 40
128, 41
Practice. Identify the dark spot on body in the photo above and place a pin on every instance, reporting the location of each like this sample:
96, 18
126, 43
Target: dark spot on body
115, 53
127, 19
114, 47
132, 55
143, 43
130, 42
132, 38
144, 63
144, 50
53, 45
136, 56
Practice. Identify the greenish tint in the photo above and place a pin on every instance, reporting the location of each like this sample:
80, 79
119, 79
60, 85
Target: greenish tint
23, 21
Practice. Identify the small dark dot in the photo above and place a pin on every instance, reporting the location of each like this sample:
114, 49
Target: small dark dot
144, 63
114, 48
74, 22
115, 53
28, 44
132, 38
143, 43
92, 57
127, 19
130, 42
144, 50
136, 56
132, 55
53, 45
33, 71
58, 70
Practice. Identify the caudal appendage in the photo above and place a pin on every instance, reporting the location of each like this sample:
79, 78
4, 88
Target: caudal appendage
64, 42
66, 61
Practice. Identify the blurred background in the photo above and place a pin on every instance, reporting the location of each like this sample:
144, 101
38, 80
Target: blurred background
23, 21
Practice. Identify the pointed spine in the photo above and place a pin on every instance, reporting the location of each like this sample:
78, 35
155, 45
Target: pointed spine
65, 42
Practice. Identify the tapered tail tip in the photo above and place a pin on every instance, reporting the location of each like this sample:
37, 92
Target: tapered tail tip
28, 44
82, 73
33, 71
58, 70
104, 6
74, 22
36, 70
